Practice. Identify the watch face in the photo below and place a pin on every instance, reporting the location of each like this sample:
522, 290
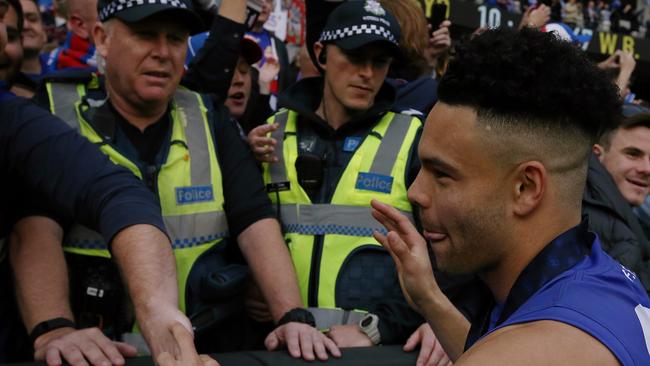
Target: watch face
366, 321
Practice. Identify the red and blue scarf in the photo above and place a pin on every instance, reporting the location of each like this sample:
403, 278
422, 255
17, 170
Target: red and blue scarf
76, 52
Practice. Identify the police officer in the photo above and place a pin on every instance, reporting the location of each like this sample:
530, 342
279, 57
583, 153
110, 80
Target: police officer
186, 151
335, 146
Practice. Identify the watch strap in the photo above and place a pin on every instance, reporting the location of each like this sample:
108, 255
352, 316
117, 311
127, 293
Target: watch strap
48, 326
298, 315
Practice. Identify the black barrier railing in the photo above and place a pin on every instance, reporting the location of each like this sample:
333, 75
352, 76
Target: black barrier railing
376, 356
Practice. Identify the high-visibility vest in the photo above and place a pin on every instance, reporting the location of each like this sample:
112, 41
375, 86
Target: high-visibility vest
188, 183
377, 170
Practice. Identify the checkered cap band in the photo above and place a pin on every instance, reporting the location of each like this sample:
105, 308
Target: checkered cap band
357, 30
118, 5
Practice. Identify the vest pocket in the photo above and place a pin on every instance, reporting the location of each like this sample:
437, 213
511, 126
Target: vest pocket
215, 288
367, 277
98, 296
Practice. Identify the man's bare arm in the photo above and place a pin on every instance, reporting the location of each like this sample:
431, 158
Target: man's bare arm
538, 343
144, 256
40, 270
41, 278
267, 255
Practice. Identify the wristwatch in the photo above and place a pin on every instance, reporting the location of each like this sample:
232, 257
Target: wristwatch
48, 326
298, 315
368, 324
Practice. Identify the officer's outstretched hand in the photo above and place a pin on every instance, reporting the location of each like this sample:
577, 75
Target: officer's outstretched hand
302, 340
431, 351
80, 347
262, 145
156, 321
187, 355
409, 251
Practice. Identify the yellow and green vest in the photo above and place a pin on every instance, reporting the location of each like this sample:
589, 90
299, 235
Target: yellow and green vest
377, 170
188, 183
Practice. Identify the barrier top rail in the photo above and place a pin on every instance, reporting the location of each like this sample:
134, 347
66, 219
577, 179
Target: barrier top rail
376, 356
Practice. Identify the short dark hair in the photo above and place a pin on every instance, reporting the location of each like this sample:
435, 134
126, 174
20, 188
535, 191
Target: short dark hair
641, 119
637, 120
531, 77
19, 13
539, 98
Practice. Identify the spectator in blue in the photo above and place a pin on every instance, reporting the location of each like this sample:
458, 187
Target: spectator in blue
11, 54
33, 63
42, 158
248, 96
34, 39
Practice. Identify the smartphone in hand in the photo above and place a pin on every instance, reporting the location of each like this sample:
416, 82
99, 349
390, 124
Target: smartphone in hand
438, 15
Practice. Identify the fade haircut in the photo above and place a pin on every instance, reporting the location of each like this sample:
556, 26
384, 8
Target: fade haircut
537, 98
530, 76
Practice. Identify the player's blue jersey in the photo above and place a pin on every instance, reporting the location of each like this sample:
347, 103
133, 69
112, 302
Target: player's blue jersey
601, 297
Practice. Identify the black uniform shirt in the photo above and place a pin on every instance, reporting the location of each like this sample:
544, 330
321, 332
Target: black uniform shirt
246, 201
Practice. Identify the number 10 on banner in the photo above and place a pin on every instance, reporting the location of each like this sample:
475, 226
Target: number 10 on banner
490, 18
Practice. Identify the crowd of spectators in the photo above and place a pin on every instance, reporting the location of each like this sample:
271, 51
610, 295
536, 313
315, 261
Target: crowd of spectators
268, 82
626, 16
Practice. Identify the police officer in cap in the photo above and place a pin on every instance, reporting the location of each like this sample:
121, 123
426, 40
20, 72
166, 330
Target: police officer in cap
334, 147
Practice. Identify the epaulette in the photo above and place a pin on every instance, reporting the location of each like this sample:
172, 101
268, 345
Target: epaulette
76, 76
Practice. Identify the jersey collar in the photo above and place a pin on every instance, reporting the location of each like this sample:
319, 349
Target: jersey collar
559, 255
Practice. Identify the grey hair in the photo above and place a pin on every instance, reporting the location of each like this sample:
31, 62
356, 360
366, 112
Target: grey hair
101, 61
